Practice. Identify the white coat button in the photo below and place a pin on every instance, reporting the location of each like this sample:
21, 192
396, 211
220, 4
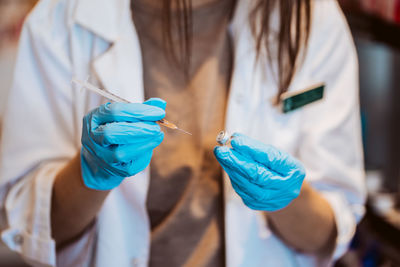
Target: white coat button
18, 239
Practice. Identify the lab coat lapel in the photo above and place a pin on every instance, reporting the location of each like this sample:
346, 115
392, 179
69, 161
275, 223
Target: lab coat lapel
119, 69
102, 17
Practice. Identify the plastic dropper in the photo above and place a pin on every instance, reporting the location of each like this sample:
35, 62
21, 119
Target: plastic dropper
115, 98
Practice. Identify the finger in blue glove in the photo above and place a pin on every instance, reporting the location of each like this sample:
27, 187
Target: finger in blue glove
265, 177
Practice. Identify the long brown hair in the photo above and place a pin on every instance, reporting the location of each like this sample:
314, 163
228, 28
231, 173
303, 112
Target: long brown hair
292, 36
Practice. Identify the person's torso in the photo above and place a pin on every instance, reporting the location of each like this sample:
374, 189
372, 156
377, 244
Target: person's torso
104, 45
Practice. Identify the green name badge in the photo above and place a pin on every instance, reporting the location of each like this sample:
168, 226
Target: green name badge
294, 100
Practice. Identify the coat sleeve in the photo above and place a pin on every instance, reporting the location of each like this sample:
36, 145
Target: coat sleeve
38, 136
331, 146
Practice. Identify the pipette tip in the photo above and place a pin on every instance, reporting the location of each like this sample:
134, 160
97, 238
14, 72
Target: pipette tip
183, 131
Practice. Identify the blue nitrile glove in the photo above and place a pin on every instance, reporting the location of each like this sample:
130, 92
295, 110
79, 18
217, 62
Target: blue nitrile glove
118, 141
263, 176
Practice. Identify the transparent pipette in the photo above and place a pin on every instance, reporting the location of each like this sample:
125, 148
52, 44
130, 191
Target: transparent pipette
115, 98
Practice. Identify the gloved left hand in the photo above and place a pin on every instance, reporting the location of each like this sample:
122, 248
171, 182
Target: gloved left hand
263, 176
118, 141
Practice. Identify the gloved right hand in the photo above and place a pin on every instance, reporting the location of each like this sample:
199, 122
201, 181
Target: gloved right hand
118, 141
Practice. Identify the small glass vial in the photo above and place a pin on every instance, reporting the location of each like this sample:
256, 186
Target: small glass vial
224, 138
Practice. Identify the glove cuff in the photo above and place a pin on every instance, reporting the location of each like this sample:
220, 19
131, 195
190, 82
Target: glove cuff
96, 178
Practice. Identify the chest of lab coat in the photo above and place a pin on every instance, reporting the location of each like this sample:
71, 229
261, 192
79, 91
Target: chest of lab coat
96, 38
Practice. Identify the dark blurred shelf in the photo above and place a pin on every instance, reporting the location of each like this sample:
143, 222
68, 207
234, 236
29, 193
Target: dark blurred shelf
374, 28
387, 226
386, 232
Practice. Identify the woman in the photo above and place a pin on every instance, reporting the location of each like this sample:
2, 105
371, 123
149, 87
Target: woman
82, 186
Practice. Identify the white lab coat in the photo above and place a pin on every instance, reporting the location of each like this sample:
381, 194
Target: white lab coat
42, 128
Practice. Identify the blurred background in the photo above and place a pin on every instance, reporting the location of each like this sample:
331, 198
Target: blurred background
375, 25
